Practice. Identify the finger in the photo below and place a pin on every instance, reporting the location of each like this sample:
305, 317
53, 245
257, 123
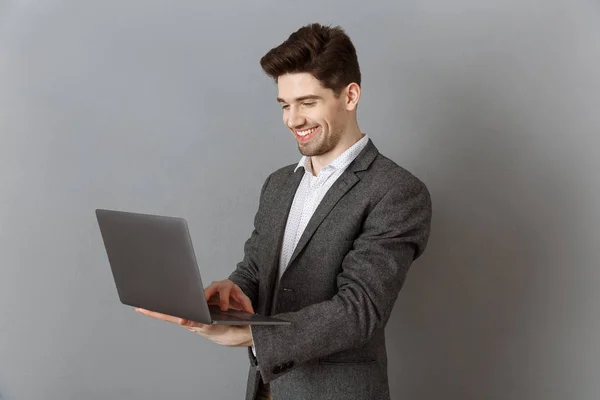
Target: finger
235, 305
246, 302
224, 295
186, 322
198, 328
214, 300
243, 300
210, 291
162, 317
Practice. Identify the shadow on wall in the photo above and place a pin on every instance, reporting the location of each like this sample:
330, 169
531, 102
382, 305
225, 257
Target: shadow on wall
464, 326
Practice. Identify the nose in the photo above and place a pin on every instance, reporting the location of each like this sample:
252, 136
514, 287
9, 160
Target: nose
295, 119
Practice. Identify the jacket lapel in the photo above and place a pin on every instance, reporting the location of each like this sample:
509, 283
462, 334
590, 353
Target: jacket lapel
344, 183
278, 215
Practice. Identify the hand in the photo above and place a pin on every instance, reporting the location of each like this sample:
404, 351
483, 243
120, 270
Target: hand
228, 295
227, 335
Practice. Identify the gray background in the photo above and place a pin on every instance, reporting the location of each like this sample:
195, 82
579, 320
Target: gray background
161, 107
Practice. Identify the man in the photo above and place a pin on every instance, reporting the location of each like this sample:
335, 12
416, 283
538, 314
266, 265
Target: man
334, 237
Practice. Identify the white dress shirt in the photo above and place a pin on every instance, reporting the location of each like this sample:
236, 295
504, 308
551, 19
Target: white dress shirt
308, 196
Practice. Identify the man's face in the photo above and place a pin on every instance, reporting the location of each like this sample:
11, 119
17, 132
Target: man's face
315, 116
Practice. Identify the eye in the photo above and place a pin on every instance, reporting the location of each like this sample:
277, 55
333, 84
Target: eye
285, 106
309, 103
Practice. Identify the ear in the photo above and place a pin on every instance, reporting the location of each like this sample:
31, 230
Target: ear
352, 96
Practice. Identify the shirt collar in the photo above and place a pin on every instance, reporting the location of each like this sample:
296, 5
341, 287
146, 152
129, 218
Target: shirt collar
342, 161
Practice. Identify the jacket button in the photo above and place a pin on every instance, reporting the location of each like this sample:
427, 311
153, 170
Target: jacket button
276, 369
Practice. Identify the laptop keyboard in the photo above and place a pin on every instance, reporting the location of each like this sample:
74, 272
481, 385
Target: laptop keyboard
230, 315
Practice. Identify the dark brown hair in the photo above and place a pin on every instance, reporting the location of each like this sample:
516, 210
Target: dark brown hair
323, 51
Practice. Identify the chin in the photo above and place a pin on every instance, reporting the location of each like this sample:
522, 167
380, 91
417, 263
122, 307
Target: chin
311, 152
305, 152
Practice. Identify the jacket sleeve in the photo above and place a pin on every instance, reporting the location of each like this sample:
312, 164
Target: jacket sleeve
394, 234
246, 273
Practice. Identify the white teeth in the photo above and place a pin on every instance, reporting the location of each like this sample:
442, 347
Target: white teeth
306, 132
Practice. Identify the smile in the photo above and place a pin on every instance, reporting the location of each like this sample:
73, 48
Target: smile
306, 134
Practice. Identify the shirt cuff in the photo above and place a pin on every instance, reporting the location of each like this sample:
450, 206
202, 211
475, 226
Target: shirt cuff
253, 349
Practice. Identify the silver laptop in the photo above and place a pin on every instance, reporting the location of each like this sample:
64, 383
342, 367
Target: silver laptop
154, 267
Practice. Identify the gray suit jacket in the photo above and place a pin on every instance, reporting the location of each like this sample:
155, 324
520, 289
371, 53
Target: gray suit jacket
341, 283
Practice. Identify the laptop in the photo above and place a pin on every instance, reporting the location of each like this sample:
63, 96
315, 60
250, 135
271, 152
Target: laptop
154, 267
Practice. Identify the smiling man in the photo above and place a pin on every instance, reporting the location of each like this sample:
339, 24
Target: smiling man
334, 237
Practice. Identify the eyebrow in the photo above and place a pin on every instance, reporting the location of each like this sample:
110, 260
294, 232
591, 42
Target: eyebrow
302, 98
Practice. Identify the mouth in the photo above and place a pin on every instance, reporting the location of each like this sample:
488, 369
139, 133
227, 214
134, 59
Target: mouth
304, 135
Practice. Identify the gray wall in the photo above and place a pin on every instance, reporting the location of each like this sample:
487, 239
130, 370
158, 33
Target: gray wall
161, 107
